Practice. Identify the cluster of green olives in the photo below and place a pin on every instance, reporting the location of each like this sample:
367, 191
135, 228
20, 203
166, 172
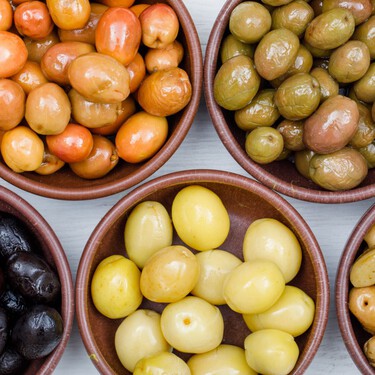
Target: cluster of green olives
187, 287
299, 78
31, 326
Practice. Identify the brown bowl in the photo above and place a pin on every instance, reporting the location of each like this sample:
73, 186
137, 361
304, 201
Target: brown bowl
54, 254
352, 332
281, 176
64, 184
246, 200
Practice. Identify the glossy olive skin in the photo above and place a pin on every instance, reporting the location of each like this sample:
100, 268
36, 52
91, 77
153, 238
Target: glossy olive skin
361, 9
327, 84
13, 302
365, 133
292, 132
37, 48
33, 278
37, 332
302, 162
341, 170
330, 29
366, 33
332, 125
4, 329
11, 362
231, 47
364, 88
13, 236
236, 83
368, 152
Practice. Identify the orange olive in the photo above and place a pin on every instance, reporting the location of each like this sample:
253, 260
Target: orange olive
6, 15
12, 104
164, 58
139, 8
137, 72
37, 48
141, 136
30, 76
117, 3
50, 164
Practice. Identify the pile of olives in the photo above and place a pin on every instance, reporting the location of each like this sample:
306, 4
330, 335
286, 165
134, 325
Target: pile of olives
172, 297
74, 93
362, 292
299, 77
31, 326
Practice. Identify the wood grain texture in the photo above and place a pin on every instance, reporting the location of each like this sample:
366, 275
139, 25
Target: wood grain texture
331, 223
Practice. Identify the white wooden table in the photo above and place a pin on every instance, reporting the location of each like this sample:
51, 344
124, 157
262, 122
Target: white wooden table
332, 224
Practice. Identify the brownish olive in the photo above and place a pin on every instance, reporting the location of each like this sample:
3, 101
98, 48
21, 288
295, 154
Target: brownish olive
276, 53
37, 48
366, 34
327, 84
368, 152
331, 29
365, 133
231, 47
236, 83
294, 16
292, 133
298, 96
50, 164
332, 125
364, 89
102, 159
349, 62
361, 9
340, 170
261, 111
302, 162
317, 6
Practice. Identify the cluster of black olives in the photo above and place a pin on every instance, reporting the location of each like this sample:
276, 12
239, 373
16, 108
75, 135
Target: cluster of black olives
30, 324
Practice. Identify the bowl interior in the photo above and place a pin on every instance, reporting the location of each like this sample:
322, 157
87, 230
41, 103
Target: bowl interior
45, 241
246, 200
64, 184
352, 332
281, 176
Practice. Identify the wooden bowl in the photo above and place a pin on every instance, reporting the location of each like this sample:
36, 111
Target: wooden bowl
54, 254
281, 176
352, 332
64, 184
246, 200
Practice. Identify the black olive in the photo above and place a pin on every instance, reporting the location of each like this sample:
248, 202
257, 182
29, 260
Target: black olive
14, 236
4, 329
2, 281
31, 276
13, 303
12, 363
37, 332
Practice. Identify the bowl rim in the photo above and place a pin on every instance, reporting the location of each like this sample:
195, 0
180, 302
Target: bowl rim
200, 176
342, 285
229, 141
194, 51
63, 268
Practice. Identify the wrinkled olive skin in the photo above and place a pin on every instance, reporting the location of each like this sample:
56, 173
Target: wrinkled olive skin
250, 21
37, 332
32, 277
328, 86
261, 111
302, 162
294, 16
368, 152
332, 125
276, 53
231, 47
331, 29
365, 133
13, 302
236, 83
4, 329
361, 9
292, 132
298, 96
13, 236
12, 363
341, 170
319, 53
366, 33
364, 89
349, 62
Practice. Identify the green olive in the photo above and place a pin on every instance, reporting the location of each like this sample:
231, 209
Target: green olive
261, 111
292, 133
328, 86
366, 33
236, 83
361, 9
302, 162
365, 132
231, 47
364, 89
368, 152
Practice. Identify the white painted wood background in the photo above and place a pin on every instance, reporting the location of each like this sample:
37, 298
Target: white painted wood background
332, 224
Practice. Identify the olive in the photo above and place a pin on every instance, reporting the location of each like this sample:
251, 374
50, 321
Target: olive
2, 281
31, 276
366, 33
364, 88
37, 332
368, 152
340, 170
236, 83
13, 236
12, 363
361, 9
298, 96
231, 47
261, 111
4, 329
13, 303
302, 162
365, 132
349, 62
327, 84
292, 133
